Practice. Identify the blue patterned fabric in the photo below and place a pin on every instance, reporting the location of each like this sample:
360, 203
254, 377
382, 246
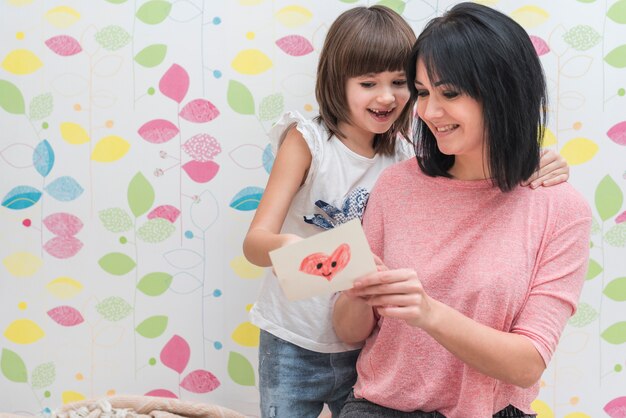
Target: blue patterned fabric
353, 207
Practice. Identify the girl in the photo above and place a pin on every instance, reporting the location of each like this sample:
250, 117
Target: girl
491, 271
321, 177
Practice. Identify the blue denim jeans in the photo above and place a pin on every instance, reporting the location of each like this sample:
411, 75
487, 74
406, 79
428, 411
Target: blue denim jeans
296, 382
362, 408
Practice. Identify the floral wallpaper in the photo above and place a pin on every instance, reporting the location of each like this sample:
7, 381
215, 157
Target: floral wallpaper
133, 153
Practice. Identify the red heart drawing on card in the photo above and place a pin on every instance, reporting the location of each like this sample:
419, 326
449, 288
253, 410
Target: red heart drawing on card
327, 266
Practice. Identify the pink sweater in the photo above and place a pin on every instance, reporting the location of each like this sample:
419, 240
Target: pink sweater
514, 261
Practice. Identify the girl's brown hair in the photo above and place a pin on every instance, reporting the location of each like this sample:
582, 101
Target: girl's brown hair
362, 40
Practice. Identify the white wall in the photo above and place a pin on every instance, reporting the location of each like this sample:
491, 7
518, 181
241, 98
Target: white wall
71, 329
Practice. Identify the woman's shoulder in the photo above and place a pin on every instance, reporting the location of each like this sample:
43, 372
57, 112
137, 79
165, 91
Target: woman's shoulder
564, 201
398, 174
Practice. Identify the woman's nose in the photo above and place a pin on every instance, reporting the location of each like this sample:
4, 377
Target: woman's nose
431, 108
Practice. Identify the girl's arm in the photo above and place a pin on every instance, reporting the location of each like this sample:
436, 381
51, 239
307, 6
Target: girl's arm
288, 173
353, 319
553, 169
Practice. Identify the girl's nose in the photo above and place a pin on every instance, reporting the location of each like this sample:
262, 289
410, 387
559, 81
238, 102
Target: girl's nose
386, 96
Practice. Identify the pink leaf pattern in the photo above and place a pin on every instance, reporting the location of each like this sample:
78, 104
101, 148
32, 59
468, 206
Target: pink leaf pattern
64, 45
63, 247
175, 354
616, 408
167, 212
618, 133
202, 147
295, 45
63, 224
541, 47
162, 393
158, 131
66, 316
200, 381
199, 111
201, 172
621, 218
175, 83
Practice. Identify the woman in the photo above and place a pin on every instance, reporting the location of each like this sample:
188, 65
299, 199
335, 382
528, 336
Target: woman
480, 275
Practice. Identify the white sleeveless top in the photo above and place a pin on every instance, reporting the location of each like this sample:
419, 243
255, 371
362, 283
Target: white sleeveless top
335, 191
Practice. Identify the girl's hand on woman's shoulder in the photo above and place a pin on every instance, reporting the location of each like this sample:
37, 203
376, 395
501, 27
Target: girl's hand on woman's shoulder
553, 169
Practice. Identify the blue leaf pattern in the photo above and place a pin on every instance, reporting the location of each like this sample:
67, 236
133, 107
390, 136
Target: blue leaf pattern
247, 199
43, 158
64, 189
21, 197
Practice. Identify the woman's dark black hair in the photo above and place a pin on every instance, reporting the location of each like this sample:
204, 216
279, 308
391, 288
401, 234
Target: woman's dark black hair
488, 56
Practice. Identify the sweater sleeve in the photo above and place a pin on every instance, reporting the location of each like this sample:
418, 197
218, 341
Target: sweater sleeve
559, 276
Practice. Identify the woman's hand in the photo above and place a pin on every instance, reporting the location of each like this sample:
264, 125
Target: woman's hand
553, 169
396, 294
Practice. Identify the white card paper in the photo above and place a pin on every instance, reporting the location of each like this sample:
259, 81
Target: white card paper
324, 263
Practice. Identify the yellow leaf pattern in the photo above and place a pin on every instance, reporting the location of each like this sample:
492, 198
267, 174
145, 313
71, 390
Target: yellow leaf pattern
22, 264
110, 149
73, 133
23, 331
579, 150
251, 62
62, 16
530, 16
244, 269
21, 62
64, 287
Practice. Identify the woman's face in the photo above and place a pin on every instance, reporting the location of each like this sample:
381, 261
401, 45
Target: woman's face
454, 118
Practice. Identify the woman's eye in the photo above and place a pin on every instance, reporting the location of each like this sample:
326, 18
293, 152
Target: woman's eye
451, 94
422, 93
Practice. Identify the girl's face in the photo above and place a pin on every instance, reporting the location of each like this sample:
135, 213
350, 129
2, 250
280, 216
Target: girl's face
375, 102
454, 118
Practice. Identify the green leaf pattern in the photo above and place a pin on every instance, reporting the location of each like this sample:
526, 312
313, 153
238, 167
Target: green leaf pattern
616, 236
152, 327
585, 315
155, 230
116, 220
40, 107
43, 375
616, 289
140, 195
112, 38
114, 309
582, 37
13, 367
271, 107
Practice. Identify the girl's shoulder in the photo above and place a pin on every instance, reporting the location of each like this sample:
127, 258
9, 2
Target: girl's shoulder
313, 132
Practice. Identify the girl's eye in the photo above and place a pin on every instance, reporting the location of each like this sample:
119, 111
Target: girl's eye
400, 82
367, 84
